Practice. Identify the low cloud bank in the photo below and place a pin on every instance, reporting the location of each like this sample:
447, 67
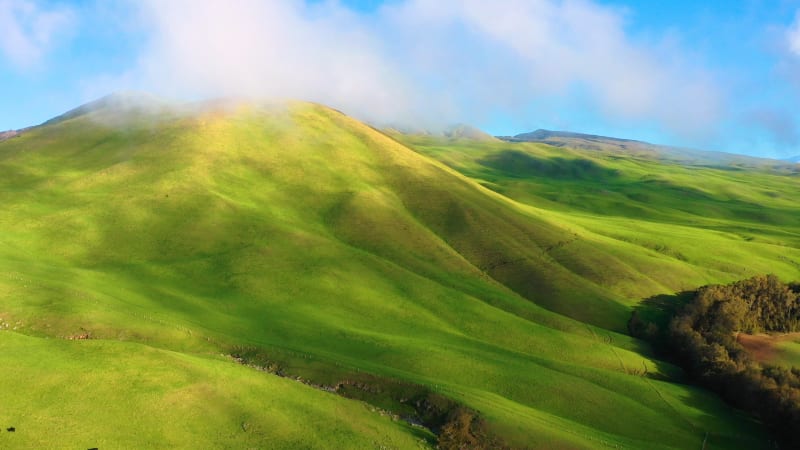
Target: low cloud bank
423, 62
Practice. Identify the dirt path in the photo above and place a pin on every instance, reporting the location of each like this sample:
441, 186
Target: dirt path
762, 346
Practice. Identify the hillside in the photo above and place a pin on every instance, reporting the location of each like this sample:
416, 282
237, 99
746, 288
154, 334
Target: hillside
640, 149
652, 224
498, 277
4, 135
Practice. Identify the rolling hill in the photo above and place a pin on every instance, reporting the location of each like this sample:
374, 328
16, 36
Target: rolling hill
394, 269
641, 149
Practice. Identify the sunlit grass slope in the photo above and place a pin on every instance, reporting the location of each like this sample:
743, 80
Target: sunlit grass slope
643, 226
788, 354
326, 244
108, 394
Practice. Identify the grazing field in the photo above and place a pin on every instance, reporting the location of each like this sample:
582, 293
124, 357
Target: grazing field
644, 225
110, 394
497, 275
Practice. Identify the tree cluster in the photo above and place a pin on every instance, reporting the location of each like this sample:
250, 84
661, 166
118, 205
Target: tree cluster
703, 338
759, 304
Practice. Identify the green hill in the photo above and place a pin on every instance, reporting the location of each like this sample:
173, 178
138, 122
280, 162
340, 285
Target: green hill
497, 275
110, 394
645, 150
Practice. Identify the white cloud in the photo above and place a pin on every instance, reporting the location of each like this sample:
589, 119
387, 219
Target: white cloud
423, 60
793, 36
28, 31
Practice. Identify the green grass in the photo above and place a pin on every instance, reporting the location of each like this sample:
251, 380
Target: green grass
643, 226
109, 394
787, 354
335, 249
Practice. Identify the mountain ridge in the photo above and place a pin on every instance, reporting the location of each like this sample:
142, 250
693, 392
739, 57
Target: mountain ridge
127, 103
644, 149
542, 134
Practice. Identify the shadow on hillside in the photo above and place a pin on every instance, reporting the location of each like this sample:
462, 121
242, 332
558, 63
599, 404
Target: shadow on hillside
649, 323
519, 164
743, 431
659, 309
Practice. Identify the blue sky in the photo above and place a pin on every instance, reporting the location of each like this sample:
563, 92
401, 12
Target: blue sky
721, 75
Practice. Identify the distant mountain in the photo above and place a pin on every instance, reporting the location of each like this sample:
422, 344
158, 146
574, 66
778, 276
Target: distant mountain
647, 150
543, 135
794, 159
453, 132
462, 131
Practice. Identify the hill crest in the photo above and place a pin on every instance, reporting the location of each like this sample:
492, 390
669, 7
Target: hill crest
642, 149
543, 135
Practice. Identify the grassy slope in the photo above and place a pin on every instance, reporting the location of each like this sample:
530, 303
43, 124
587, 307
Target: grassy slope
788, 354
645, 226
109, 394
314, 237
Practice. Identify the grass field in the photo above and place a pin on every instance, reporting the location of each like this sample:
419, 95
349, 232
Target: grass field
646, 225
172, 237
788, 353
109, 394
